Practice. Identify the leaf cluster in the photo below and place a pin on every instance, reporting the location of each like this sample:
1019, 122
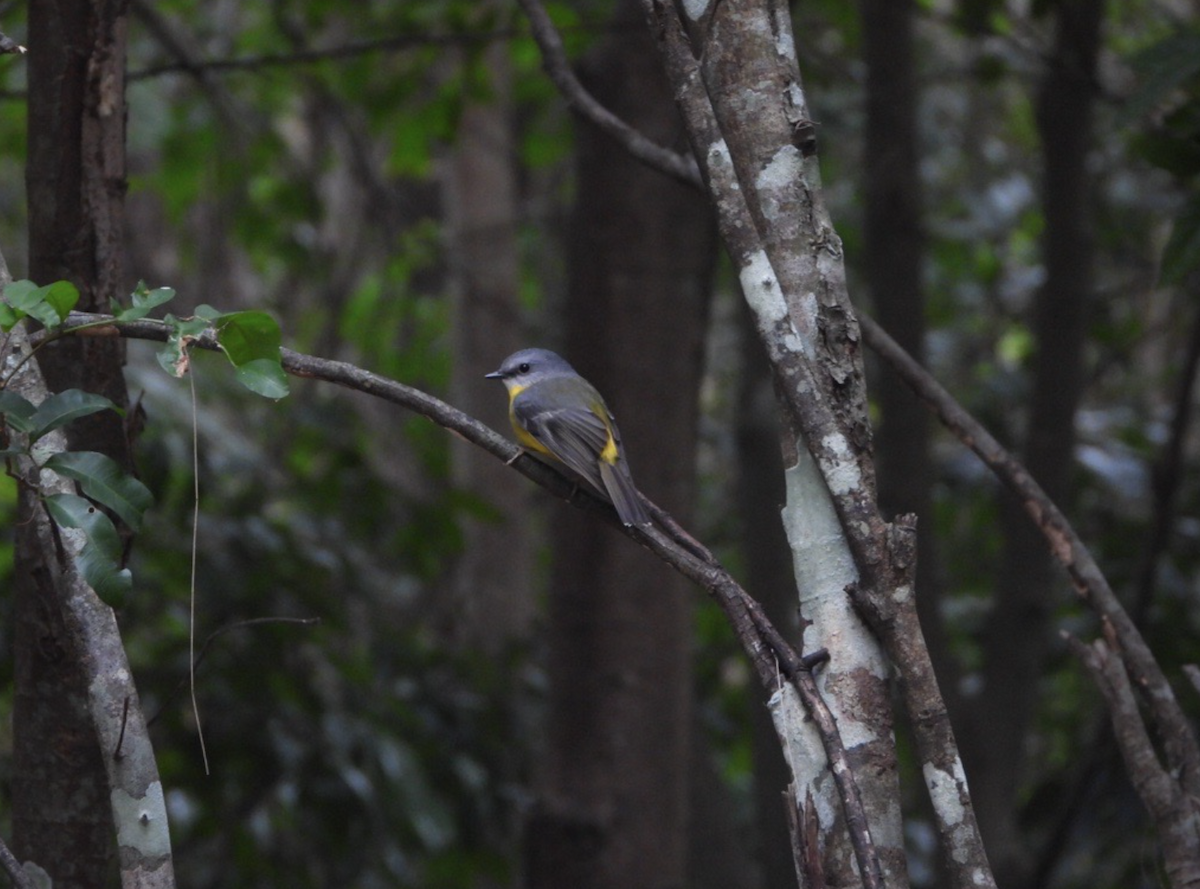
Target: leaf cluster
251, 341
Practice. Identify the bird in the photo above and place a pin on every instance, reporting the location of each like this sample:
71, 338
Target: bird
556, 413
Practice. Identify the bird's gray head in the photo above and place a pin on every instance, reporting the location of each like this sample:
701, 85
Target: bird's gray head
524, 368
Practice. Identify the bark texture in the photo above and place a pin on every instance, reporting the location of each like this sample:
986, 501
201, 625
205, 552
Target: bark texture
76, 185
747, 119
76, 784
746, 116
769, 574
613, 807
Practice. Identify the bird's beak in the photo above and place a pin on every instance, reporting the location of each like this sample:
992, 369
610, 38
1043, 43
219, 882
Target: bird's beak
494, 375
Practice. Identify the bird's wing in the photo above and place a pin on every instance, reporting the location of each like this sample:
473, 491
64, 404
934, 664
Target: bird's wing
574, 436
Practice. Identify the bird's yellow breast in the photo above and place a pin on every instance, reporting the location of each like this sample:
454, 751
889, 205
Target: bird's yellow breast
527, 441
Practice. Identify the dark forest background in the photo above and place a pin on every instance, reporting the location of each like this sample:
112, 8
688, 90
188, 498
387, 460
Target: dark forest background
406, 648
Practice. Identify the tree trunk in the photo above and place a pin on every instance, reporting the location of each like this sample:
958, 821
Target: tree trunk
613, 808
492, 604
769, 576
73, 680
893, 257
1025, 592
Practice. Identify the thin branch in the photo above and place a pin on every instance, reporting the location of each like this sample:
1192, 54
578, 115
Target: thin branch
393, 44
189, 61
396, 43
1168, 472
558, 67
195, 559
12, 867
1170, 807
764, 645
117, 753
1065, 546
215, 634
1102, 660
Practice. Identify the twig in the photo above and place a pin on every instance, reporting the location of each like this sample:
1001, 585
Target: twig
554, 60
20, 879
396, 43
1162, 793
188, 60
1167, 475
220, 631
117, 754
195, 558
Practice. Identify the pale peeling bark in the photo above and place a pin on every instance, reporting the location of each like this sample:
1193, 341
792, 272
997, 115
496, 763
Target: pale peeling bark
48, 554
789, 262
746, 117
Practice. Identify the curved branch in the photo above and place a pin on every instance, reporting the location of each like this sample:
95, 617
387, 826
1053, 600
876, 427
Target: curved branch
1168, 474
768, 651
554, 60
1179, 741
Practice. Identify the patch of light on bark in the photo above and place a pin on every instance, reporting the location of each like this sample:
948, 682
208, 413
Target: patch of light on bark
944, 791
845, 476
142, 823
761, 289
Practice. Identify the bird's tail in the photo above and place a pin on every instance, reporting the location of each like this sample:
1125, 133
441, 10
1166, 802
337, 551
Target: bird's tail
624, 496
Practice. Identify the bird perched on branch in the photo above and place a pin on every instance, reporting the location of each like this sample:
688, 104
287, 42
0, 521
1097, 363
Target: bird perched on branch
556, 413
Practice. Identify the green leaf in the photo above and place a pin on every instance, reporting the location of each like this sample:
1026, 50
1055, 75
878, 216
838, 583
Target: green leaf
19, 291
63, 407
9, 317
62, 297
251, 341
144, 300
1182, 253
248, 336
103, 480
16, 410
263, 376
42, 303
99, 561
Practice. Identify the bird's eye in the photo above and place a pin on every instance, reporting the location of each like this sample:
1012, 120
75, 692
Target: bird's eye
524, 368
